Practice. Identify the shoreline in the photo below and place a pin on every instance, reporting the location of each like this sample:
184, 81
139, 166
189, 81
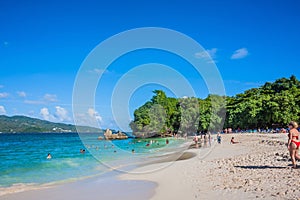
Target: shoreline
223, 171
39, 191
119, 163
106, 187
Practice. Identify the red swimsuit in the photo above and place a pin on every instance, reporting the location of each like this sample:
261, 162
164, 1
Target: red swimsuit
297, 143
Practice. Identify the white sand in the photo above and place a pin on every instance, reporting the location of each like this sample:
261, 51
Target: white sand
248, 170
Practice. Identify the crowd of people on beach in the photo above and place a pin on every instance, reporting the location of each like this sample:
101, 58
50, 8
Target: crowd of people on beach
256, 130
207, 139
293, 143
204, 140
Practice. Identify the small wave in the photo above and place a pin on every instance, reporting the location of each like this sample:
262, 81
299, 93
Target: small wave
71, 163
18, 187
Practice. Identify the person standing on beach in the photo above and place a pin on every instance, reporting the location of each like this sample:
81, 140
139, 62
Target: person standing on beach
209, 138
293, 142
195, 139
219, 138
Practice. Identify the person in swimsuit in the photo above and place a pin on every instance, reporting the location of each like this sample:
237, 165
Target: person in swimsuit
49, 156
293, 142
195, 139
233, 142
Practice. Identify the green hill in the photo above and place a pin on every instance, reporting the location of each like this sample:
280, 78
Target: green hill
23, 124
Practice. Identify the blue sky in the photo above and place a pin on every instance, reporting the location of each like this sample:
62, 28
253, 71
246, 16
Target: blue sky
43, 43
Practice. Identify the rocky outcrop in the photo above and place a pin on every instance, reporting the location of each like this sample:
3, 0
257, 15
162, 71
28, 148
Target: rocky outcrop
108, 135
100, 138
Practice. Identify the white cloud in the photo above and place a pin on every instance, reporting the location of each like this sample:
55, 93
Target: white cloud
212, 52
46, 115
22, 94
2, 110
3, 95
208, 53
50, 97
90, 118
240, 53
98, 71
34, 102
62, 114
94, 114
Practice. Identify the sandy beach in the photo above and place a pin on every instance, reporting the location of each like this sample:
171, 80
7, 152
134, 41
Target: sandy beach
258, 167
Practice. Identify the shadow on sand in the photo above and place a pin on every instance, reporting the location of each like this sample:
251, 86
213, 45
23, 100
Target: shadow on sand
260, 167
178, 156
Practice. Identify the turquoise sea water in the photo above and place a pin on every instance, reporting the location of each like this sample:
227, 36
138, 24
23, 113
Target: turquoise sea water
23, 156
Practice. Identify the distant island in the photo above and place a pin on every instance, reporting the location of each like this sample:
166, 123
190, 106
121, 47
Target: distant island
23, 124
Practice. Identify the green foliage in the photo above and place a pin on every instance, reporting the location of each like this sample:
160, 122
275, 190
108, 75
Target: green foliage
271, 105
189, 115
164, 115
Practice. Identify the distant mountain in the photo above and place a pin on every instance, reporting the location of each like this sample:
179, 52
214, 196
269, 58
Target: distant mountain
23, 124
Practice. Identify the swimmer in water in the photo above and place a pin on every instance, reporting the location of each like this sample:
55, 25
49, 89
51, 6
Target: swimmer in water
82, 150
49, 156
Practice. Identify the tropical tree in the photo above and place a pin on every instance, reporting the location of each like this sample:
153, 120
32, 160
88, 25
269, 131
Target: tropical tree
271, 105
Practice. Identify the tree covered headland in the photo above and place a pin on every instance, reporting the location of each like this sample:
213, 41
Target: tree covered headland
269, 106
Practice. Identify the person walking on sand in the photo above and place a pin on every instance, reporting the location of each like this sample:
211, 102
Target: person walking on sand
293, 142
195, 139
219, 138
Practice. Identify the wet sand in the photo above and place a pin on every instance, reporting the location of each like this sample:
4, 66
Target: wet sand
102, 187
